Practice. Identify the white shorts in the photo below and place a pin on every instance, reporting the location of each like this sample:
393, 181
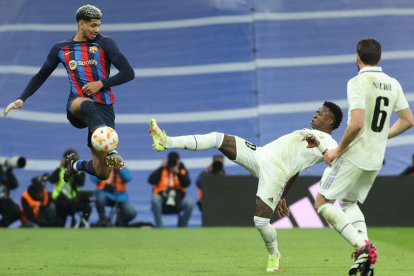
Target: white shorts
344, 180
272, 180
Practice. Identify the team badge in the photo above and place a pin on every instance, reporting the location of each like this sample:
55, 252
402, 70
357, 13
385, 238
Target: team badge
93, 49
72, 64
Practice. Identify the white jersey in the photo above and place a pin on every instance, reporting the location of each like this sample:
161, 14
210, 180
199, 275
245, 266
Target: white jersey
379, 95
290, 152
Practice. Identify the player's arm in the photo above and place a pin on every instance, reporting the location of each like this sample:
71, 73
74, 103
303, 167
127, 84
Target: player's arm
126, 72
405, 121
356, 100
282, 209
354, 127
356, 124
37, 80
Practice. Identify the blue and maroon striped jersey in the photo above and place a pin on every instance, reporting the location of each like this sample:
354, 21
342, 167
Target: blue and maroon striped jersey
85, 61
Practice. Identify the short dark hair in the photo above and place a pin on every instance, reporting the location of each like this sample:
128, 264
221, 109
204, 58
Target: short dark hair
88, 12
336, 111
369, 51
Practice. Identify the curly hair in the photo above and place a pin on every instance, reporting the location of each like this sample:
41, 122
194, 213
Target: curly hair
88, 12
336, 111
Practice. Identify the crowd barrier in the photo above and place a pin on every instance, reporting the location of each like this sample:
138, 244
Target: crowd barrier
230, 201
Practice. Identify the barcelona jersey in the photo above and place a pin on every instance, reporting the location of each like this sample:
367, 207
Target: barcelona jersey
85, 61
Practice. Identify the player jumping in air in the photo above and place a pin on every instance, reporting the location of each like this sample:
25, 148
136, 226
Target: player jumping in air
276, 164
87, 58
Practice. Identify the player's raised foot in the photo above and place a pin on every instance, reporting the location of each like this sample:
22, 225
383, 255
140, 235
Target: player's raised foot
159, 136
273, 263
69, 170
365, 258
114, 160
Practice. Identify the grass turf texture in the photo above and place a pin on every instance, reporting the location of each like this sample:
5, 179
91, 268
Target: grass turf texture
208, 251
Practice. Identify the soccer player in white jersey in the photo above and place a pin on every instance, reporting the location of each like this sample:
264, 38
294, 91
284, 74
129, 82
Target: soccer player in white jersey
372, 97
276, 164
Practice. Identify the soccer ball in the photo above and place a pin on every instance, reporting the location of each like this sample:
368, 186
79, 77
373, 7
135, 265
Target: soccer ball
104, 139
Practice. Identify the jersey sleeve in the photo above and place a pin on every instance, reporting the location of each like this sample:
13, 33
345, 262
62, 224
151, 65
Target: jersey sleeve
401, 102
47, 68
325, 140
355, 94
126, 73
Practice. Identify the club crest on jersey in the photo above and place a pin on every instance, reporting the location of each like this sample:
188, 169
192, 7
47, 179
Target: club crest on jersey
93, 49
73, 64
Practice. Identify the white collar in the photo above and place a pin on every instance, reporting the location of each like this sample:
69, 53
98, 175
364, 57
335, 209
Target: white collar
370, 69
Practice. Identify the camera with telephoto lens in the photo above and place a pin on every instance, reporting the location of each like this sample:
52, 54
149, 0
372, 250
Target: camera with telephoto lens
7, 179
13, 162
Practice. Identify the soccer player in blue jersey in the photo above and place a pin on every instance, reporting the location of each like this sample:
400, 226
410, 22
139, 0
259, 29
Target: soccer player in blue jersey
87, 58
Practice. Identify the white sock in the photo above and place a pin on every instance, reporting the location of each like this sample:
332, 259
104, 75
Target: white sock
268, 233
195, 142
356, 217
340, 222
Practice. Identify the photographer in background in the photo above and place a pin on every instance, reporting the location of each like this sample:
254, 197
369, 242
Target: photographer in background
169, 193
216, 168
37, 208
66, 194
9, 210
112, 192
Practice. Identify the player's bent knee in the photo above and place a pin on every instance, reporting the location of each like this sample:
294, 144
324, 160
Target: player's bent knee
346, 204
260, 222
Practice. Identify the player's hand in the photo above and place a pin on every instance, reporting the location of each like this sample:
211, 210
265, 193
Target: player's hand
282, 210
312, 140
330, 156
16, 104
92, 87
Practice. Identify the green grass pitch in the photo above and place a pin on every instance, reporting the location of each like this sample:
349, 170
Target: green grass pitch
193, 251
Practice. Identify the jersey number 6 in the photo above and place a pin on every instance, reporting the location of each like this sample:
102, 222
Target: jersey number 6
379, 117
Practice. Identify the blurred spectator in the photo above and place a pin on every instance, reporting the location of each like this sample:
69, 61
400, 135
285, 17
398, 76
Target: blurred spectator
66, 194
112, 192
215, 168
37, 208
410, 169
9, 210
169, 193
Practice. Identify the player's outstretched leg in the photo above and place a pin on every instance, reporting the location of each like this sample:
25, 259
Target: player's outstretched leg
189, 142
114, 160
71, 159
365, 258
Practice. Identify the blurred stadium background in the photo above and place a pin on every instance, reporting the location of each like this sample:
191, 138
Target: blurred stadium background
257, 69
